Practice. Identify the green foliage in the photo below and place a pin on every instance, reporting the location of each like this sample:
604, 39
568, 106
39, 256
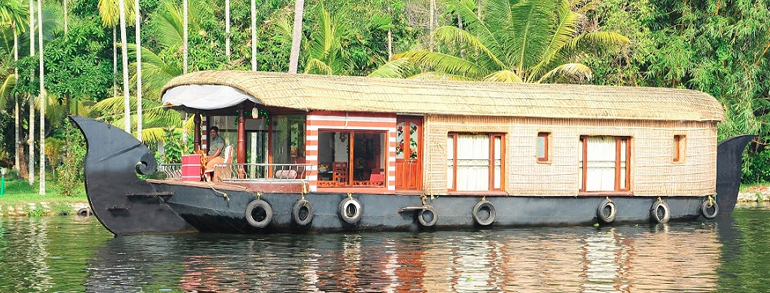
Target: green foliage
78, 64
526, 41
70, 172
173, 148
37, 211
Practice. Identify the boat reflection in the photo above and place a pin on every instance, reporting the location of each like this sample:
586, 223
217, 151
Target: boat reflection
683, 257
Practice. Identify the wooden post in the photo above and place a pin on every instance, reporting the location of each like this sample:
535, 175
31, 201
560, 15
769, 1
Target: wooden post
197, 135
241, 136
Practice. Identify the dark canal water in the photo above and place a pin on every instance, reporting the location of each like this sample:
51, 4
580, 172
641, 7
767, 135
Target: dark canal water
71, 254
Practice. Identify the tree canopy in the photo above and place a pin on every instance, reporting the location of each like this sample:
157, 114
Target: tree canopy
719, 47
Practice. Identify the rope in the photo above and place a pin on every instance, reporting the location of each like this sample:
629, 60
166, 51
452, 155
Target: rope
217, 191
423, 198
711, 200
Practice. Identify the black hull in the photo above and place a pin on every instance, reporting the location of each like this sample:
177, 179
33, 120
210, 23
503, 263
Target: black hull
125, 204
209, 211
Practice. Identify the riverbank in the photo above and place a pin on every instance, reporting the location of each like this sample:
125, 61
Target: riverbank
754, 193
20, 199
40, 209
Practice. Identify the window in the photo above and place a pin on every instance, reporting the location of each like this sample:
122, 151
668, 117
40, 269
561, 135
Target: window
475, 162
679, 144
542, 146
366, 149
604, 163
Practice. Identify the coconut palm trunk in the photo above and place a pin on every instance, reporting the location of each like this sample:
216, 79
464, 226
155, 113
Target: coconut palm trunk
296, 37
430, 25
227, 29
31, 135
124, 53
253, 35
16, 161
137, 12
42, 96
66, 19
184, 37
114, 61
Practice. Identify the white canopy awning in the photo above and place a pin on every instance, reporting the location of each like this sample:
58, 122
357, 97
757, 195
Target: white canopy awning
205, 97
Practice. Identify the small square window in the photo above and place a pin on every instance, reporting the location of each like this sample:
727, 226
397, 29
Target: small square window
542, 146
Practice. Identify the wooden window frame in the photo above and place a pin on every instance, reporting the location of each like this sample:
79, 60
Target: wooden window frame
680, 141
618, 145
546, 156
492, 137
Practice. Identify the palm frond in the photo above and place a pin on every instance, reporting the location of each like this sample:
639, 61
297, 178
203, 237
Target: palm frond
6, 89
109, 10
14, 11
531, 21
169, 25
561, 36
156, 72
452, 34
600, 39
315, 66
154, 135
432, 75
576, 70
392, 69
477, 27
504, 76
444, 63
325, 44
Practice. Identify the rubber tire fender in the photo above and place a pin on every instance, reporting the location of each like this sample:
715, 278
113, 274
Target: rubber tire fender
660, 204
704, 209
354, 216
84, 212
423, 221
295, 212
258, 203
607, 219
484, 205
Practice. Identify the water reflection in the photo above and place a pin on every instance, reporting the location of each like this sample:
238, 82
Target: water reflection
70, 254
622, 259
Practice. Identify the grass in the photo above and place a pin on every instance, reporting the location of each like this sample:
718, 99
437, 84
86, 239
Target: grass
18, 191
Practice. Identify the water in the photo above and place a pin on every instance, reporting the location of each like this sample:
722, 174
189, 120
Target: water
70, 254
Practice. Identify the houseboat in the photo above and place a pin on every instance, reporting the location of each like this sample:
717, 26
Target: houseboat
311, 153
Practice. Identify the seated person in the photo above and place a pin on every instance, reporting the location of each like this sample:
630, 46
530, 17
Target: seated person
216, 154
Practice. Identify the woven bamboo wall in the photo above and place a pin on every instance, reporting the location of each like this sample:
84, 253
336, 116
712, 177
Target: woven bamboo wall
653, 172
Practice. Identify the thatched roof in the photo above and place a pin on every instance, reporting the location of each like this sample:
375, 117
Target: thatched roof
345, 93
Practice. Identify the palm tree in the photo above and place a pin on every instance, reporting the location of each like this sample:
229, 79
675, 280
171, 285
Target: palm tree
185, 16
227, 29
31, 136
254, 35
299, 7
113, 12
12, 12
123, 49
138, 72
66, 19
325, 51
158, 120
42, 98
524, 41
